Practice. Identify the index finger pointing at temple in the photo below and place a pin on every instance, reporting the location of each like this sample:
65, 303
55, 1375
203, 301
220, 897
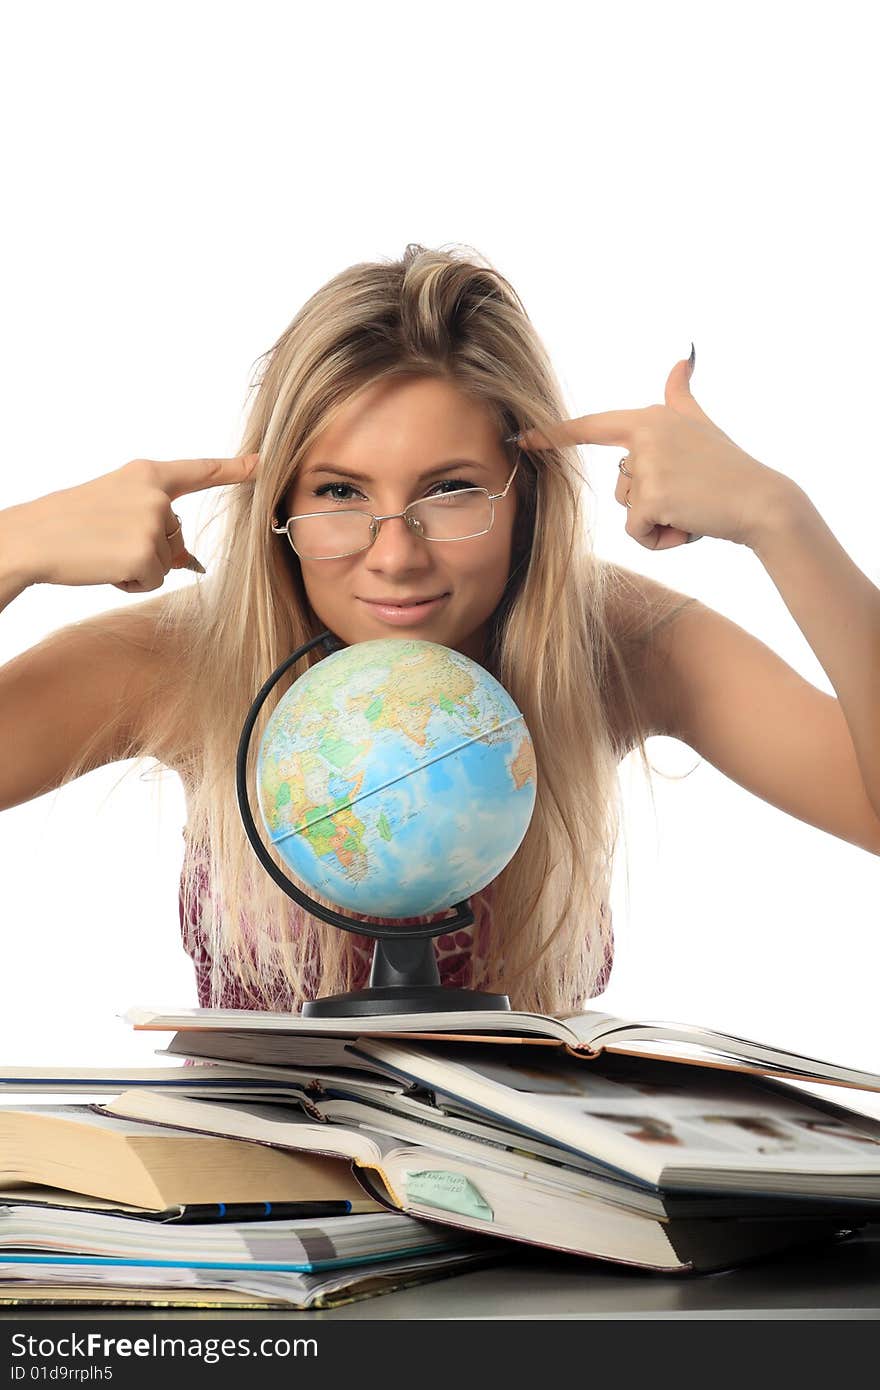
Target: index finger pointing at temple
608, 427
180, 476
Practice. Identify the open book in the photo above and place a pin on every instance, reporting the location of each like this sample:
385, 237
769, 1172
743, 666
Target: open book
663, 1125
73, 1147
585, 1035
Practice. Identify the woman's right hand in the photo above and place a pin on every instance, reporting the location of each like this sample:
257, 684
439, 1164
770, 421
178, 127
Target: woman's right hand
118, 529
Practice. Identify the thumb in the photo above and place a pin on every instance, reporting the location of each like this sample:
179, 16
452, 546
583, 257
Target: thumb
677, 393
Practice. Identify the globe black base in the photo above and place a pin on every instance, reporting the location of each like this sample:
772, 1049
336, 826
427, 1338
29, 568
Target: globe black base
400, 999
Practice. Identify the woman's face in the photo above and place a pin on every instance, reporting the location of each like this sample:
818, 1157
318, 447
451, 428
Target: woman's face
389, 447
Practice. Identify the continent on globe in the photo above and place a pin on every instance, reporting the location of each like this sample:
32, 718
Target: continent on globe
396, 778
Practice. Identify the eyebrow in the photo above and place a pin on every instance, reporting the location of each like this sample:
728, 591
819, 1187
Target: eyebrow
364, 478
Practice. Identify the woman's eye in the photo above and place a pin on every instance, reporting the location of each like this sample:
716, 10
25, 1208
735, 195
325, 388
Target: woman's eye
333, 490
454, 484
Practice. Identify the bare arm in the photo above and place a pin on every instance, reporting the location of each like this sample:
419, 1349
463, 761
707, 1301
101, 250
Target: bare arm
837, 608
77, 699
739, 705
14, 577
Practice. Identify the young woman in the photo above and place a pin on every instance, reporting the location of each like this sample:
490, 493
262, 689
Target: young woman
397, 384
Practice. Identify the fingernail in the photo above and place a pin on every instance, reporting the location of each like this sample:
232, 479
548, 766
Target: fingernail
692, 360
191, 563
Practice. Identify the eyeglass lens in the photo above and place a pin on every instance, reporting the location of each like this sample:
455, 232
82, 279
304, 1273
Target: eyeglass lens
450, 516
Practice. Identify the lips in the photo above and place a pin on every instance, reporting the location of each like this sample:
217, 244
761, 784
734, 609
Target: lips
405, 612
402, 602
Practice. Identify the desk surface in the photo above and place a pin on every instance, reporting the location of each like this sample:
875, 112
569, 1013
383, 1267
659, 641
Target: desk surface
837, 1281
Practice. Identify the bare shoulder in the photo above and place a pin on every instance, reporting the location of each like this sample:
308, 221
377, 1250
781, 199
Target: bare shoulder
637, 608
141, 634
640, 614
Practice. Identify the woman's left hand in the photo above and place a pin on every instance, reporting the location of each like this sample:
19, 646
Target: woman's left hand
688, 480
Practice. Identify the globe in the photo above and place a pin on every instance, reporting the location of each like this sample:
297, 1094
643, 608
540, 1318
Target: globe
396, 778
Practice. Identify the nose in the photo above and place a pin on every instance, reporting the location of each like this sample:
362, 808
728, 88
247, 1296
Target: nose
398, 548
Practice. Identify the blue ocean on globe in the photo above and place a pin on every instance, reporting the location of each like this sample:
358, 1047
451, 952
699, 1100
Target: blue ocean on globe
396, 778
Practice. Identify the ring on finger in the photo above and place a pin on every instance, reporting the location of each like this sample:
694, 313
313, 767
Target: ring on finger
169, 536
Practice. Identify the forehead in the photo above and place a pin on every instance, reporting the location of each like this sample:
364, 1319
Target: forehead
419, 419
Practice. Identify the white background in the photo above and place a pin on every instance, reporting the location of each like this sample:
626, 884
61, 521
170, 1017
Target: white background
182, 176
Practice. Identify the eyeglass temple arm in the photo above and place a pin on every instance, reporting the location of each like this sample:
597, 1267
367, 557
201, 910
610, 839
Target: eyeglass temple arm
494, 496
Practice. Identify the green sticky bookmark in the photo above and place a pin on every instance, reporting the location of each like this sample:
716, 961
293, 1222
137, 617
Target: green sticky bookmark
449, 1191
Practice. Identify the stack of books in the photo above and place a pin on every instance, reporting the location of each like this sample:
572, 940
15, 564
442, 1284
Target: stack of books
105, 1210
454, 1138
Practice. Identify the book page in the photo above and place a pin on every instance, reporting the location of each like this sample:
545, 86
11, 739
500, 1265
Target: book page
648, 1118
476, 1022
701, 1043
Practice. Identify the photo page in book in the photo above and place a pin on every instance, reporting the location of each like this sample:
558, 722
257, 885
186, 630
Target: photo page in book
666, 1124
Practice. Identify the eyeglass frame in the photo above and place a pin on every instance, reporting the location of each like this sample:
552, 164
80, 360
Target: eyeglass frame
376, 521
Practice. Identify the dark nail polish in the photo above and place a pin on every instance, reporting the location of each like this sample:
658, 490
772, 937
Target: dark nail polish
692, 360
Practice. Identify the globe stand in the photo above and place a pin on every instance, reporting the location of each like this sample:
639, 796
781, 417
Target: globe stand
404, 978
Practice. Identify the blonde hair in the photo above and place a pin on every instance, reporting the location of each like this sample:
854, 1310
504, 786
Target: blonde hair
443, 314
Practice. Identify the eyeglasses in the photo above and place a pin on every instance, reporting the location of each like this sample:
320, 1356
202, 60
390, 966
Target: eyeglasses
450, 516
